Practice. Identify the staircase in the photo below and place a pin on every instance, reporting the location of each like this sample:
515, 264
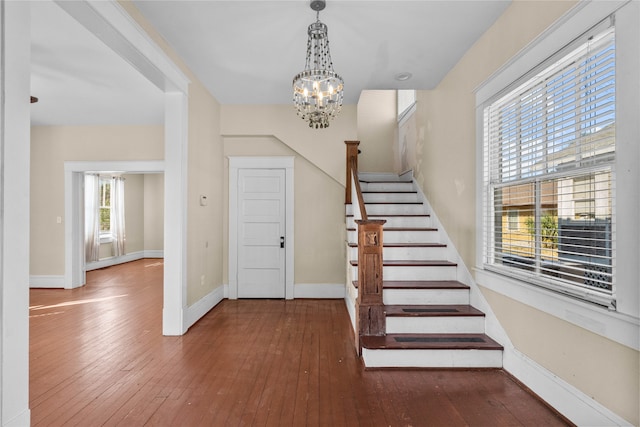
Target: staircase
429, 322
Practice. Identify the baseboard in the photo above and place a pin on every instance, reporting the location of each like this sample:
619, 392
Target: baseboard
133, 256
158, 253
46, 282
23, 419
319, 290
350, 302
108, 262
572, 403
196, 311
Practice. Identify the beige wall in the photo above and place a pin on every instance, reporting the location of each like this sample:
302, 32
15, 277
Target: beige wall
444, 143
324, 148
51, 146
319, 222
377, 123
134, 214
204, 226
154, 212
607, 371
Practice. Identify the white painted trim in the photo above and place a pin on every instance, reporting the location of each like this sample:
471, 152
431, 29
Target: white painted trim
319, 290
269, 162
74, 209
153, 253
111, 23
200, 308
114, 260
15, 27
562, 396
615, 326
175, 213
46, 281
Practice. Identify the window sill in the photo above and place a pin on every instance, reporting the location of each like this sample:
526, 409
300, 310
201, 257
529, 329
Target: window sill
106, 238
618, 327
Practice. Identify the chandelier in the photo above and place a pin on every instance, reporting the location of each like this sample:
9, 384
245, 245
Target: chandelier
317, 91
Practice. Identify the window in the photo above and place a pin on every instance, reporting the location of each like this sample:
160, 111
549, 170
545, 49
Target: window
406, 100
549, 151
514, 220
105, 207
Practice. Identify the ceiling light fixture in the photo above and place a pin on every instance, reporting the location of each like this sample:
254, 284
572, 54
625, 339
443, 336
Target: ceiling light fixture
317, 91
403, 77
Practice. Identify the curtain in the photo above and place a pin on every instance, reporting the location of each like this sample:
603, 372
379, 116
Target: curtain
92, 217
117, 215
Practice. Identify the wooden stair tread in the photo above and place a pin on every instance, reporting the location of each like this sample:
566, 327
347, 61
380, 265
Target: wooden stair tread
402, 229
390, 192
447, 310
407, 245
420, 284
393, 203
430, 342
393, 215
413, 263
385, 181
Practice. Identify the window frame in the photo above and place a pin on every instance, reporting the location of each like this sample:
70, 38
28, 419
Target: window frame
520, 139
623, 325
106, 236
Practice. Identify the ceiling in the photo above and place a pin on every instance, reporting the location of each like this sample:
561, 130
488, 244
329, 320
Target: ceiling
247, 52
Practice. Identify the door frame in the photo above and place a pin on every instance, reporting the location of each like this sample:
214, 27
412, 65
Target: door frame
272, 162
75, 273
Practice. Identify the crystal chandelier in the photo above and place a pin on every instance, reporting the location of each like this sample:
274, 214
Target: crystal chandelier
317, 91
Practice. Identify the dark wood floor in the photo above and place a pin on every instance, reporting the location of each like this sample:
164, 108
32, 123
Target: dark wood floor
97, 357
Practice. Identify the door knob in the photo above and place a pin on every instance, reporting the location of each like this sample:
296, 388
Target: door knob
282, 241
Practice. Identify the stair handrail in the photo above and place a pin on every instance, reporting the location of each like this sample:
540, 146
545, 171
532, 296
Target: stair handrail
370, 312
360, 210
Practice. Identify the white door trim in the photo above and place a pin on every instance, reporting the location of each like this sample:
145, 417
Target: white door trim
74, 271
235, 164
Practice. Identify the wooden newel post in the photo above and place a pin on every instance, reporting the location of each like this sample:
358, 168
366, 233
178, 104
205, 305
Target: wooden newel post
352, 153
370, 311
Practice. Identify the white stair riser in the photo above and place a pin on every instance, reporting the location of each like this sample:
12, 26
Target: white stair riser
404, 253
425, 296
390, 197
429, 236
392, 209
397, 221
395, 209
435, 325
416, 273
432, 358
386, 186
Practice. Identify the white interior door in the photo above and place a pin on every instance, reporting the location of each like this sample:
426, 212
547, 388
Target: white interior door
261, 233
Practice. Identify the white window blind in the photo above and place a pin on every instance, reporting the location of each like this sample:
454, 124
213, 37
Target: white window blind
549, 148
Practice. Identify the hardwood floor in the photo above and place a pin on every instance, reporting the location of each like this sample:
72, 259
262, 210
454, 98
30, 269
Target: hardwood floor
97, 357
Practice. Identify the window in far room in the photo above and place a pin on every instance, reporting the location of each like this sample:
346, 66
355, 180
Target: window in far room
105, 207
